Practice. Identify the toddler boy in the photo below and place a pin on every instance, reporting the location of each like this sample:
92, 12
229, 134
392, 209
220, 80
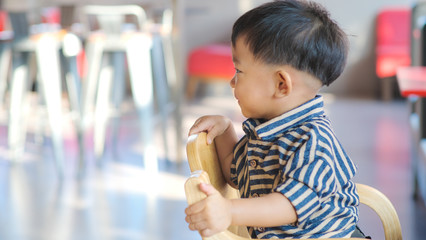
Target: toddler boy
293, 175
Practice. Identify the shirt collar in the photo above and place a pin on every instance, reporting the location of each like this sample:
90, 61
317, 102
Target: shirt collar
259, 128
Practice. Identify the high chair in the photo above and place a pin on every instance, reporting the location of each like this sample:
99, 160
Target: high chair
203, 162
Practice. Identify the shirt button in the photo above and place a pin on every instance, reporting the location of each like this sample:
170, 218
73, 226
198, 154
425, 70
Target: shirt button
253, 163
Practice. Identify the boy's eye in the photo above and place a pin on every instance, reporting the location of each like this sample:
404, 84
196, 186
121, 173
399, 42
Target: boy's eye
237, 70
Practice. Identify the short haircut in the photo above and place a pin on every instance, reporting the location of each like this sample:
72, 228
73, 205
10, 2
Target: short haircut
296, 33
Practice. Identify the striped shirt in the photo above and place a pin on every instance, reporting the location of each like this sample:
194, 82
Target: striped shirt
298, 155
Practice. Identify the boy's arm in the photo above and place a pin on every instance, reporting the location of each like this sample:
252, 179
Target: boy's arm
220, 130
270, 210
215, 213
225, 144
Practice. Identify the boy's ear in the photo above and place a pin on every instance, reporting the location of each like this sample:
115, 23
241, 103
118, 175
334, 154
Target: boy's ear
284, 84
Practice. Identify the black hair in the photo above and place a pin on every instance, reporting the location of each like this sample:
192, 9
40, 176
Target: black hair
296, 33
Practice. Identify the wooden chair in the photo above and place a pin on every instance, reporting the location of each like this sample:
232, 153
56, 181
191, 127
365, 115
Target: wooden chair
203, 162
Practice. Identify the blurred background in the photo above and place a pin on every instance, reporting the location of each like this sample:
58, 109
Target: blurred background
96, 99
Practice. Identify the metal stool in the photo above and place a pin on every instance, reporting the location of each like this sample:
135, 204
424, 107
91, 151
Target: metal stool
46, 48
107, 51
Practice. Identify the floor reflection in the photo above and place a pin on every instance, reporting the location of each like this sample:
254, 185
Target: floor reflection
125, 200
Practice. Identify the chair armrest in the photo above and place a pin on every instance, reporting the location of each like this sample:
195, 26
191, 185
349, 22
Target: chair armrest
377, 201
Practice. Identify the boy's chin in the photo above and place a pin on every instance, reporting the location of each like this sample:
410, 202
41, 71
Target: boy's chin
247, 115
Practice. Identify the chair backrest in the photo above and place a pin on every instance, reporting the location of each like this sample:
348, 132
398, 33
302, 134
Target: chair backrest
393, 27
3, 17
203, 162
204, 157
113, 19
393, 40
204, 165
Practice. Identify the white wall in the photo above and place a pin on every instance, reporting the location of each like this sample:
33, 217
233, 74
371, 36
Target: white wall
206, 21
357, 18
211, 21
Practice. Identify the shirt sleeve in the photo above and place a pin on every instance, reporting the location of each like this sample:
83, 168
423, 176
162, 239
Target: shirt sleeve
307, 178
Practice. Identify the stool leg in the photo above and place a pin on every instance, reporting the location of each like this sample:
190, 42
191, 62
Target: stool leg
118, 92
71, 47
74, 95
102, 109
176, 91
139, 60
94, 60
19, 84
387, 88
5, 56
47, 55
161, 88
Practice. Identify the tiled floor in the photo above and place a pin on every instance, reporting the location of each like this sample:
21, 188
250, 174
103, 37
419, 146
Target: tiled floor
122, 200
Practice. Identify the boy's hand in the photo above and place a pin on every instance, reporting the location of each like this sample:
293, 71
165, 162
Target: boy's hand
213, 125
210, 215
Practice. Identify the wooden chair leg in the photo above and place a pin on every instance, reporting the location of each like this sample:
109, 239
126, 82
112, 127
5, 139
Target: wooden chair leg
191, 87
387, 88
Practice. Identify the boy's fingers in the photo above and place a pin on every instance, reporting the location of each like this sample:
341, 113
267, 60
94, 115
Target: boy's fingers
213, 132
194, 208
192, 227
193, 130
208, 189
199, 126
195, 218
198, 225
206, 232
196, 222
211, 135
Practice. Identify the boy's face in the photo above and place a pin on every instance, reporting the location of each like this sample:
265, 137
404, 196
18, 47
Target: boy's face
253, 83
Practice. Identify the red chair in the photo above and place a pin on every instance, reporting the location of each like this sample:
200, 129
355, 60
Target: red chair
210, 63
3, 17
393, 44
51, 15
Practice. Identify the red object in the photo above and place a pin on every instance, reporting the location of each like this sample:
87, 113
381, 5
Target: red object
211, 61
51, 15
412, 81
82, 64
2, 20
393, 40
